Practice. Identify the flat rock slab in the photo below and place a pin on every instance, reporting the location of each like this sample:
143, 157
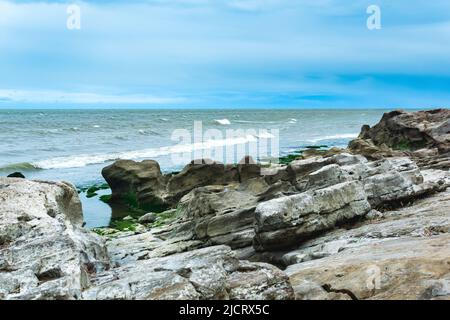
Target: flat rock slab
209, 273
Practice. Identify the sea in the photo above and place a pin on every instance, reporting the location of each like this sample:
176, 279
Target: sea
74, 145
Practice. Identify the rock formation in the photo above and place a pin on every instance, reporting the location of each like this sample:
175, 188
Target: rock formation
46, 254
403, 255
422, 135
374, 224
44, 251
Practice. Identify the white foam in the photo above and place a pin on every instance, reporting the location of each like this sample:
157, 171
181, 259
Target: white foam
83, 160
256, 122
335, 137
223, 121
265, 135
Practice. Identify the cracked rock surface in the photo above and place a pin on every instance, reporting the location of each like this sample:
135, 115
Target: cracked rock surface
46, 254
403, 255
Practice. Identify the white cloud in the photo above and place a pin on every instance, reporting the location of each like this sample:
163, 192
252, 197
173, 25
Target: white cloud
46, 96
198, 48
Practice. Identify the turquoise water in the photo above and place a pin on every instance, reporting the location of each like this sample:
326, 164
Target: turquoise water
74, 145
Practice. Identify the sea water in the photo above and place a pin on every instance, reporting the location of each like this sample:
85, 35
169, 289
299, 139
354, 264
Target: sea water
74, 145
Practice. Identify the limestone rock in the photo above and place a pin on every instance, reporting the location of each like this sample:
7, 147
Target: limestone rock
142, 180
147, 218
224, 214
393, 269
209, 273
427, 217
200, 173
44, 252
285, 221
248, 169
412, 130
368, 149
422, 135
335, 190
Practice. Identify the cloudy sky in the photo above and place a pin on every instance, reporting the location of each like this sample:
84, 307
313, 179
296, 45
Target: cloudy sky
225, 53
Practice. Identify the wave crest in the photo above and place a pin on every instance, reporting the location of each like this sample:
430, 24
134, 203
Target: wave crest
22, 166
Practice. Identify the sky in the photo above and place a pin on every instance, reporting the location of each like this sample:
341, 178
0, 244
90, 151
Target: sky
225, 54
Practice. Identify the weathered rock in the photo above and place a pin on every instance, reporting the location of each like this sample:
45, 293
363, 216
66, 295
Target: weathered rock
137, 181
412, 130
224, 214
368, 149
144, 183
127, 248
201, 173
393, 269
148, 218
403, 255
284, 222
428, 161
248, 169
425, 218
209, 273
298, 169
44, 252
16, 175
422, 135
218, 215
342, 188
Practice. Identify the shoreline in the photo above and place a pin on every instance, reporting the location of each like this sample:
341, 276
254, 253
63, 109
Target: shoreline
246, 231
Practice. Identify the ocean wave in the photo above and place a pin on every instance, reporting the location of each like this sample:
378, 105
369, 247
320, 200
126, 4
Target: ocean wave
48, 131
148, 132
335, 137
265, 135
224, 122
256, 122
22, 166
83, 160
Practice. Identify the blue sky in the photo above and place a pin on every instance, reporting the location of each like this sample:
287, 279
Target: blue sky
225, 53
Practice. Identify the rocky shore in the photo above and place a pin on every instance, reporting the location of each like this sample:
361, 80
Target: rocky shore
368, 222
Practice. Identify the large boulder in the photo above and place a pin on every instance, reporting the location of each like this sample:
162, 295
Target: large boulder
200, 173
140, 182
412, 130
44, 251
368, 149
16, 175
424, 136
285, 221
224, 214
